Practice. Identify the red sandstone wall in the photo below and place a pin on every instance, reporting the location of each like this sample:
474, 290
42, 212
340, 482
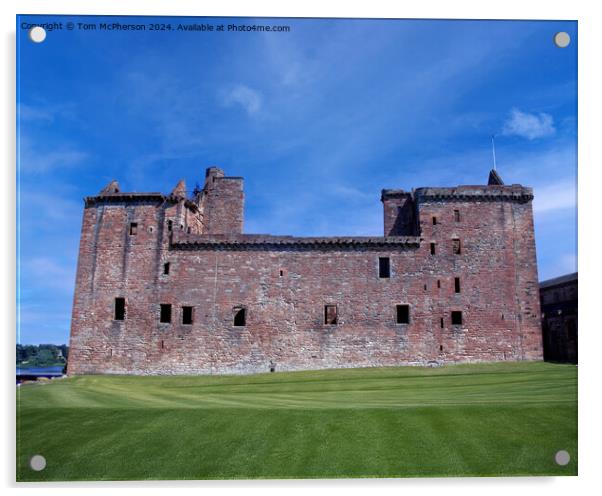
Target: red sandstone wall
222, 203
498, 271
398, 213
285, 314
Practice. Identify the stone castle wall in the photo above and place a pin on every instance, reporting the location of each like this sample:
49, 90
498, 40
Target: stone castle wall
283, 285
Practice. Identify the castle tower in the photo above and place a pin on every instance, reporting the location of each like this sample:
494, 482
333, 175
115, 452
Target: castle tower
399, 212
221, 202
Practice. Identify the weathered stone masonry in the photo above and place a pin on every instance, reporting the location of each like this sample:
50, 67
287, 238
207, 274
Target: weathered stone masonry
454, 278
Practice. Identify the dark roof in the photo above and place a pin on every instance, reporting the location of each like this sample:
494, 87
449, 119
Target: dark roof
137, 197
557, 281
491, 192
514, 192
250, 241
494, 178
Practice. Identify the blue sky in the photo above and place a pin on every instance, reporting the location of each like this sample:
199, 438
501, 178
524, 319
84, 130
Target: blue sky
318, 120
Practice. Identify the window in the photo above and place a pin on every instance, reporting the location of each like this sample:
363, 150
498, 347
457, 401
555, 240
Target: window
456, 318
188, 230
187, 315
457, 284
133, 228
457, 215
434, 221
456, 246
440, 347
281, 273
240, 317
442, 325
119, 308
439, 283
166, 268
165, 317
169, 225
384, 267
162, 344
330, 314
432, 248
403, 314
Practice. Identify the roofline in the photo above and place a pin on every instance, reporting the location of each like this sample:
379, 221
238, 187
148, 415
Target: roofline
557, 281
514, 192
186, 241
133, 197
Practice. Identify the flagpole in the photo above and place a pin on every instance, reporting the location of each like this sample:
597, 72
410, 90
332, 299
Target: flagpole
493, 149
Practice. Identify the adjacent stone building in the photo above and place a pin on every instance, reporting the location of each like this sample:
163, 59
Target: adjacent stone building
559, 318
169, 284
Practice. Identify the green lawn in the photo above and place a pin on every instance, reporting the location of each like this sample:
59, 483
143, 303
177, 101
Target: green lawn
460, 420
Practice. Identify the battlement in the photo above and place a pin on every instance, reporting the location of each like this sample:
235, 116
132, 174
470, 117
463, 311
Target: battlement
185, 241
515, 192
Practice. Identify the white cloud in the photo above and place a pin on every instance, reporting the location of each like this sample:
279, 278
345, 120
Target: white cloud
28, 113
47, 273
555, 196
247, 98
49, 209
45, 113
568, 262
350, 192
530, 126
35, 159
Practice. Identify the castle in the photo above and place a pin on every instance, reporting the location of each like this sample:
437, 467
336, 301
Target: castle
169, 284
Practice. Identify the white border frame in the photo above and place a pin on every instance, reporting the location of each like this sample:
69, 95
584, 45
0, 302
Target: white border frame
590, 40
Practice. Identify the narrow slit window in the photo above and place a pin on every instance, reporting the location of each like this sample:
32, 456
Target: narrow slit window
119, 308
165, 317
457, 284
166, 268
188, 230
187, 315
440, 347
456, 318
457, 215
330, 314
384, 267
162, 344
439, 283
456, 246
281, 273
169, 225
402, 314
434, 221
133, 228
432, 248
240, 317
442, 324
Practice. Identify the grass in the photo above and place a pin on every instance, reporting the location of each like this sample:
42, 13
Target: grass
460, 420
